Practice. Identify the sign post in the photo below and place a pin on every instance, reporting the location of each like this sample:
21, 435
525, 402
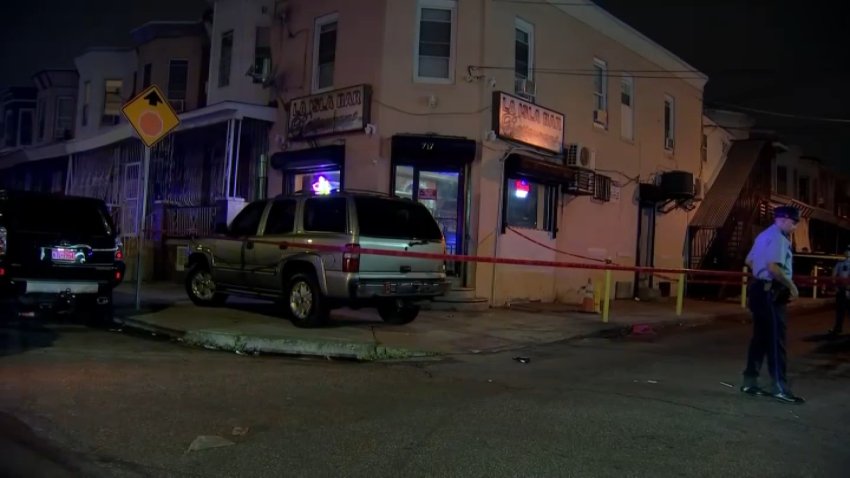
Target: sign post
153, 118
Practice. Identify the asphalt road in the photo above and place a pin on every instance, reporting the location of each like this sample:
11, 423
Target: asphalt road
81, 402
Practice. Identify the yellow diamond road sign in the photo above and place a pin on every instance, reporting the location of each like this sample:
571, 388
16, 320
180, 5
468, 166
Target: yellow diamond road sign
151, 115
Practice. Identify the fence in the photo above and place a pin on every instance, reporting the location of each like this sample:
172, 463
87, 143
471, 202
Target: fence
184, 222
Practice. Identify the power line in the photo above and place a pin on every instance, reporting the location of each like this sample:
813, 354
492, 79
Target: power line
625, 73
666, 73
783, 115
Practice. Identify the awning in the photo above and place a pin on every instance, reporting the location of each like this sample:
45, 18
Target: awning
323, 157
432, 149
537, 170
209, 115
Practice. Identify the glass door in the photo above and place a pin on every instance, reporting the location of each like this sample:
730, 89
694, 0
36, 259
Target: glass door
441, 191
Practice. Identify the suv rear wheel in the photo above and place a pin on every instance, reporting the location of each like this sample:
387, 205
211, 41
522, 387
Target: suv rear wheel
398, 312
303, 302
201, 288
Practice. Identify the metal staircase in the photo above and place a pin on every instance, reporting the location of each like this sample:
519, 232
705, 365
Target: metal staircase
733, 211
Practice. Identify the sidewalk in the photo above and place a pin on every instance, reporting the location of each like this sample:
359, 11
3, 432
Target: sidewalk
251, 326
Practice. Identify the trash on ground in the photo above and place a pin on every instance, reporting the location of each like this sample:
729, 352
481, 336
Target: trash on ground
642, 329
522, 359
652, 381
204, 442
727, 384
240, 431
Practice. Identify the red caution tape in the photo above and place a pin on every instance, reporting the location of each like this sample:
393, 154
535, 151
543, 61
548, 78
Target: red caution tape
736, 276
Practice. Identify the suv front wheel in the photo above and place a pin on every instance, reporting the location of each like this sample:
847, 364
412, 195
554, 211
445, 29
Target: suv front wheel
398, 312
303, 302
201, 288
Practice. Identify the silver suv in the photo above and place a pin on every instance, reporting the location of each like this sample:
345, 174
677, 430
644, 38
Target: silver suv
246, 258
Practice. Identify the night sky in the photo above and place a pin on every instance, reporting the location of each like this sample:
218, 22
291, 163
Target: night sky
779, 55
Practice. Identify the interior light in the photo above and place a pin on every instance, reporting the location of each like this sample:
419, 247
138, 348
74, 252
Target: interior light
322, 186
521, 188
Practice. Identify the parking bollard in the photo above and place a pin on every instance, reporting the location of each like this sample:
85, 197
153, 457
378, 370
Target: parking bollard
606, 297
680, 294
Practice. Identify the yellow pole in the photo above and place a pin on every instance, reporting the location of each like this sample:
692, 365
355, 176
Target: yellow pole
744, 289
680, 294
606, 298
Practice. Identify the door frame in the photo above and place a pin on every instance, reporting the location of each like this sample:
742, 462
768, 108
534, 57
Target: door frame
650, 253
462, 190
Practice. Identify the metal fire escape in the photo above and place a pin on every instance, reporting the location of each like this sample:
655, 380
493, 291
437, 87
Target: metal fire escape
734, 210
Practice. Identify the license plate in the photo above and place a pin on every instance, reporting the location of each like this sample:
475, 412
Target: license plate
63, 254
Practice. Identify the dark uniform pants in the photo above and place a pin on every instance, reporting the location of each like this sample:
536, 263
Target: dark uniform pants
768, 335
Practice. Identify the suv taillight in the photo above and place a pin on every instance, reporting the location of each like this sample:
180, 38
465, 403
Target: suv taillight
3, 240
351, 258
119, 250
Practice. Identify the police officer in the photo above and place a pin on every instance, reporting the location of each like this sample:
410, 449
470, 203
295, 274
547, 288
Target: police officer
842, 296
770, 261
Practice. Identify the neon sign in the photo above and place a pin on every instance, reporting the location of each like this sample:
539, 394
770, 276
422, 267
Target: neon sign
322, 186
521, 188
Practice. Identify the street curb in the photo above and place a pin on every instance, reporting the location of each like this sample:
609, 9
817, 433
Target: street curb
239, 343
374, 352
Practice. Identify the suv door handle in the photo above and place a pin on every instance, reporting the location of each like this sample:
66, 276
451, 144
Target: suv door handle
249, 244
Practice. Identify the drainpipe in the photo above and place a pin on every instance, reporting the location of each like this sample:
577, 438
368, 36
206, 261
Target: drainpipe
497, 231
236, 159
262, 178
228, 158
69, 173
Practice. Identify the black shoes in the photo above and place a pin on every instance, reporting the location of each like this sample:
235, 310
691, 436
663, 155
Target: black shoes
754, 390
788, 397
784, 397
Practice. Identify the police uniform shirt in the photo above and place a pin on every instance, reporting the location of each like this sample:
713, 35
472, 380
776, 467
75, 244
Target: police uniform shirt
771, 246
843, 270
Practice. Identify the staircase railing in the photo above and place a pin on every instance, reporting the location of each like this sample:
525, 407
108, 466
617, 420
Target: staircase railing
719, 248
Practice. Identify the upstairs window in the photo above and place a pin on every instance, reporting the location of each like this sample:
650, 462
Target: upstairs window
324, 52
434, 55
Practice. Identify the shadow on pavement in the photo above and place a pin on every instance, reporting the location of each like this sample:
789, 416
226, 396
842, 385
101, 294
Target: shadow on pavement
26, 454
834, 346
339, 318
18, 336
129, 310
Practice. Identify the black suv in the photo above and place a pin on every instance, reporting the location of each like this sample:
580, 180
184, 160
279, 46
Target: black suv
57, 254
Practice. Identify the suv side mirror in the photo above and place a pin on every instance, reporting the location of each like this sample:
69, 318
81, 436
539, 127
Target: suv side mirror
221, 228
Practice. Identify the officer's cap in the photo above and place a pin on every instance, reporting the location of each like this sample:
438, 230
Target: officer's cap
788, 212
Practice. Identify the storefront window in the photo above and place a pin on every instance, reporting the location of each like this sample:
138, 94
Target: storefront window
323, 182
529, 205
404, 182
